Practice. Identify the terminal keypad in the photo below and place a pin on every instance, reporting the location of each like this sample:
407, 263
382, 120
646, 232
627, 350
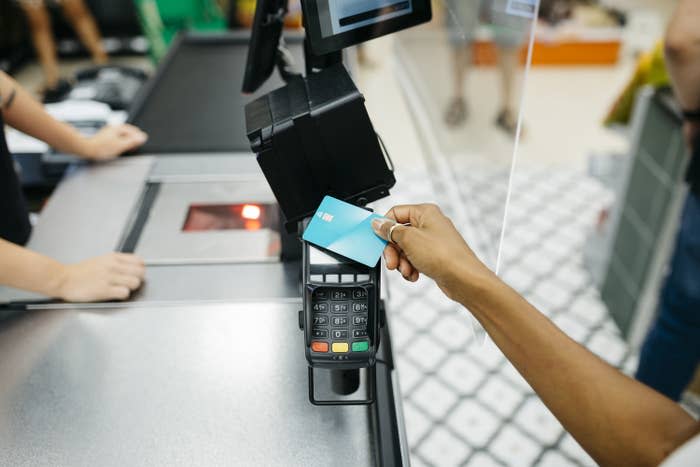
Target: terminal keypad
340, 320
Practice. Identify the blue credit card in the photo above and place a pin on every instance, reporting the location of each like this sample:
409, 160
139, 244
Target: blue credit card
347, 230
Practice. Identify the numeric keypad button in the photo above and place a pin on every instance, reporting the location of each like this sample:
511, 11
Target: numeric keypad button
339, 321
359, 307
340, 294
339, 334
319, 333
321, 294
320, 307
339, 307
359, 333
320, 320
359, 320
359, 293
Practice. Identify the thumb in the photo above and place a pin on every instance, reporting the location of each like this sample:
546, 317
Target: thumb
381, 227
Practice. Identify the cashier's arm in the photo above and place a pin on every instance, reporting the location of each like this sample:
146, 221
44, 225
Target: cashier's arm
110, 277
22, 112
617, 420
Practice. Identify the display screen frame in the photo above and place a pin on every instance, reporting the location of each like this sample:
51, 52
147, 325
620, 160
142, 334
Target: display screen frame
322, 45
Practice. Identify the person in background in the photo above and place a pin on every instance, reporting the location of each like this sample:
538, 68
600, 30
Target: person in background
671, 351
509, 33
113, 276
77, 13
617, 420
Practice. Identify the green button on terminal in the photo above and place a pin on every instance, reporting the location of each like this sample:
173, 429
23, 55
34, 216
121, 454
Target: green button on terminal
362, 346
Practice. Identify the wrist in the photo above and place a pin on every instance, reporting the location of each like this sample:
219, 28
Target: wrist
58, 277
84, 147
469, 281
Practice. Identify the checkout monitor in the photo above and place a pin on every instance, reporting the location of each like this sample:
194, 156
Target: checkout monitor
332, 25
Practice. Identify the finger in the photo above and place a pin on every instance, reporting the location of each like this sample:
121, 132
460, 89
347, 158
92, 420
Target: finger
391, 257
415, 276
382, 227
129, 258
117, 292
406, 213
132, 141
405, 267
126, 280
131, 270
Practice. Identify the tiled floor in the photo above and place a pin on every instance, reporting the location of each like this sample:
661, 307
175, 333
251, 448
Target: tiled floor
464, 403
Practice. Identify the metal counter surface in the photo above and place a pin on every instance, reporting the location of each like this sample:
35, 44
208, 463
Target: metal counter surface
175, 385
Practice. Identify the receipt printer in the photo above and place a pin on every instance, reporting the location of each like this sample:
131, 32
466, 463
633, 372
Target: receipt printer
313, 137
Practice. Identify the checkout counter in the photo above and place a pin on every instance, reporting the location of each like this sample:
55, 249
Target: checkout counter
205, 364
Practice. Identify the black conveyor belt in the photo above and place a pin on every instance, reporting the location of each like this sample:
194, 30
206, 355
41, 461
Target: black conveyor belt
193, 103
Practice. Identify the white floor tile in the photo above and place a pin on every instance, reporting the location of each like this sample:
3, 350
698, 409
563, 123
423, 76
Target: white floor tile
481, 459
453, 329
434, 398
590, 309
554, 459
501, 396
486, 354
514, 448
461, 374
609, 347
425, 352
554, 295
441, 448
473, 422
419, 312
409, 375
417, 424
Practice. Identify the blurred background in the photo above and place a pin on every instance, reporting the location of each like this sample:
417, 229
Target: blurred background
551, 139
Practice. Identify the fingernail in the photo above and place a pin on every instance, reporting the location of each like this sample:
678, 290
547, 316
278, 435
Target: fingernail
377, 225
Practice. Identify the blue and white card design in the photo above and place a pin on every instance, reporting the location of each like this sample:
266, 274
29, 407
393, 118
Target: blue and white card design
347, 230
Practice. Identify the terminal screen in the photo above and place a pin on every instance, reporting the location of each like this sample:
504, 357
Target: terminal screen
339, 16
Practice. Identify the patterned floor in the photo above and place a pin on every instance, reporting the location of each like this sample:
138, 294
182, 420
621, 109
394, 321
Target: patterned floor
464, 403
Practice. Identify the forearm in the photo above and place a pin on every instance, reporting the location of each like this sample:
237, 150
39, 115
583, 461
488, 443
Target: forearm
683, 53
616, 419
27, 270
27, 115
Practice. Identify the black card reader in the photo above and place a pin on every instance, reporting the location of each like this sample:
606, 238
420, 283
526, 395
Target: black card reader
341, 314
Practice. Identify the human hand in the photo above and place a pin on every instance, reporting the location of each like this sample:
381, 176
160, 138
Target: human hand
431, 245
112, 141
109, 277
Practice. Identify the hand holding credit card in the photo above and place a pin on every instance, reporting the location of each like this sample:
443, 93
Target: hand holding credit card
347, 230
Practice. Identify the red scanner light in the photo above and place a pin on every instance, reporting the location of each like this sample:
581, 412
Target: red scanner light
251, 212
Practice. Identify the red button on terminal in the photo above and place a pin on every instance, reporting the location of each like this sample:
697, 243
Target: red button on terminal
317, 346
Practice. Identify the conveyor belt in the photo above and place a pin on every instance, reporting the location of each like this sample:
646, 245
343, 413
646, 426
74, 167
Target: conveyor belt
193, 102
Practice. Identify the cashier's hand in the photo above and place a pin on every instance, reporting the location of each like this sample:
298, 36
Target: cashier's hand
431, 245
112, 141
109, 277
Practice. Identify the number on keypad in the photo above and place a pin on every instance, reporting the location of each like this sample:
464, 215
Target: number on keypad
340, 321
320, 320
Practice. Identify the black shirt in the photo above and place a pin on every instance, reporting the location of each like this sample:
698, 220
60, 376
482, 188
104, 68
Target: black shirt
694, 169
14, 217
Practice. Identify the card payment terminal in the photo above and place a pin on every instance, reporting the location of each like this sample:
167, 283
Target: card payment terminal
340, 318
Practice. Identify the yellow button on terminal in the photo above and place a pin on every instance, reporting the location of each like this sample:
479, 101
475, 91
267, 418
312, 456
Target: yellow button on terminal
340, 347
